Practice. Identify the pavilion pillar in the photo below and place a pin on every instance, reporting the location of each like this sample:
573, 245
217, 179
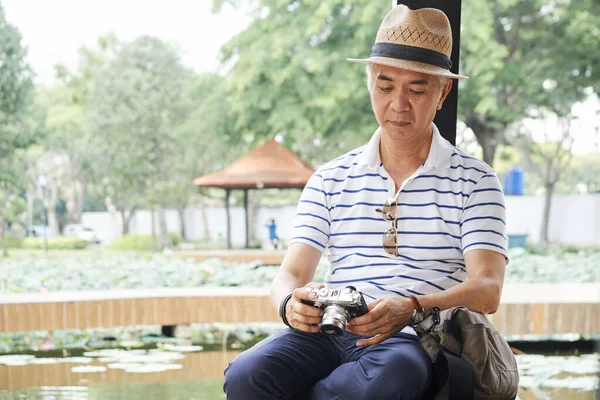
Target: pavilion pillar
446, 118
227, 195
247, 218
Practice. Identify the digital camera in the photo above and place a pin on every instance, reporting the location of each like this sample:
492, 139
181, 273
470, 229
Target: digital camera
340, 306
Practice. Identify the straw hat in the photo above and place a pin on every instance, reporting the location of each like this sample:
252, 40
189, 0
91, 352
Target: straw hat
417, 40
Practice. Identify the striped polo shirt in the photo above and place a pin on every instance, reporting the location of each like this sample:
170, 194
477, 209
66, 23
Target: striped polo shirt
451, 205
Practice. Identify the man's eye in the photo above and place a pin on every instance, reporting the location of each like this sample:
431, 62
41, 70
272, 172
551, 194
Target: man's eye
416, 92
385, 89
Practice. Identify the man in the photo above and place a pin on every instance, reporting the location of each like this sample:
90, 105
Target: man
406, 219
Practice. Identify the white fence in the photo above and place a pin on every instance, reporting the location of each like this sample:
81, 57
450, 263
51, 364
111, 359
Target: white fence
574, 220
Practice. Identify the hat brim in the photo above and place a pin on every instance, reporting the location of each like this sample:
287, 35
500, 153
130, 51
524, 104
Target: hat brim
409, 65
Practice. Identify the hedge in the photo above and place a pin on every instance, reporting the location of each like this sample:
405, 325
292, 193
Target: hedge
55, 243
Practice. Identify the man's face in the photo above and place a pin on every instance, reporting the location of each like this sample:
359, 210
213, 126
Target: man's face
404, 101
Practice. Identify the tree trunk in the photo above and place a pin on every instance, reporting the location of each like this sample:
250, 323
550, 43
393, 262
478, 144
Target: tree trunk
30, 200
253, 203
488, 146
3, 236
163, 233
486, 137
549, 189
49, 200
181, 212
204, 216
154, 244
52, 221
126, 216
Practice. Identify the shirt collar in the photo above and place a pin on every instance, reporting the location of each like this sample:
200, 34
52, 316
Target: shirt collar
439, 153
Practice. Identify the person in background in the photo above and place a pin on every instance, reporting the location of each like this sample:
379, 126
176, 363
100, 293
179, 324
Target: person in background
273, 234
408, 219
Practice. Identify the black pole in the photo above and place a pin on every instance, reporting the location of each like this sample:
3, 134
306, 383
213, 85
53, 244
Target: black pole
247, 219
227, 194
446, 118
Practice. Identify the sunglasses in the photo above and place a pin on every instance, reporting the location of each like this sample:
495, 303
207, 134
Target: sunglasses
390, 237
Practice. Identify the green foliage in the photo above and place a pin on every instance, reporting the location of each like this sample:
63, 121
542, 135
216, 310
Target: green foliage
16, 91
585, 170
521, 55
105, 270
136, 103
55, 243
176, 238
292, 78
13, 242
133, 242
210, 245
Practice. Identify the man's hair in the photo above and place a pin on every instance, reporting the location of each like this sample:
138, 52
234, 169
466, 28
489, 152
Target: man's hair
443, 79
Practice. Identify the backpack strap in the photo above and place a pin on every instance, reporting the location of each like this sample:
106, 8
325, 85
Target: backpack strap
449, 369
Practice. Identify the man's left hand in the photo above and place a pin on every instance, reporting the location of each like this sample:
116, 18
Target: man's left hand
385, 318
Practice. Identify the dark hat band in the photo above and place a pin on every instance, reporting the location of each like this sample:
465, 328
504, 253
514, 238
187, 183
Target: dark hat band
411, 53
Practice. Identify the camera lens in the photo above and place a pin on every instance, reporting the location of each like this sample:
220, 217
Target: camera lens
334, 320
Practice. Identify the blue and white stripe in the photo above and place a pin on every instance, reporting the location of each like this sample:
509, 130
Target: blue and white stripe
451, 205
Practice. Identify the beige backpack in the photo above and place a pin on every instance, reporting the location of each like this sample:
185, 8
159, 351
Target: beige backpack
470, 359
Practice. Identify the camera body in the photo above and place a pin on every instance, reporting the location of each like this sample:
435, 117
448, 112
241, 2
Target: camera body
340, 306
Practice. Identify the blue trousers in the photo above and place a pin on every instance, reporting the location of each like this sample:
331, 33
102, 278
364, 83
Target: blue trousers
292, 364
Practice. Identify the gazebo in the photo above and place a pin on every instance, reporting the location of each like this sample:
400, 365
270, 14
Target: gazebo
270, 166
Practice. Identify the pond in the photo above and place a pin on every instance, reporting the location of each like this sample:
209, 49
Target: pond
186, 373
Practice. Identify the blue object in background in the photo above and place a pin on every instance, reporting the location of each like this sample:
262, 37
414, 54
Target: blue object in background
517, 240
514, 182
272, 230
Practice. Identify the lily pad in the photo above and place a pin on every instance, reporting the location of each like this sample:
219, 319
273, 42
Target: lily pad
86, 369
148, 368
182, 349
16, 359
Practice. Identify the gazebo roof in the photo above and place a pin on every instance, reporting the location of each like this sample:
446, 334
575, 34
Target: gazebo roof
268, 166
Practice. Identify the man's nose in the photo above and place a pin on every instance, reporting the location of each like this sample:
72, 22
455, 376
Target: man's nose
400, 103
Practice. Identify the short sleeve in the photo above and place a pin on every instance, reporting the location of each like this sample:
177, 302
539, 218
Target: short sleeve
311, 225
483, 224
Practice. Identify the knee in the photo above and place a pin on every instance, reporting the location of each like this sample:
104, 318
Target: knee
407, 380
246, 377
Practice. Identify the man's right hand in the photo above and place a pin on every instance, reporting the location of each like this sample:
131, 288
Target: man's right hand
302, 316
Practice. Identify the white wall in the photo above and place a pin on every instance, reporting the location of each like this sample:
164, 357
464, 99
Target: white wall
575, 219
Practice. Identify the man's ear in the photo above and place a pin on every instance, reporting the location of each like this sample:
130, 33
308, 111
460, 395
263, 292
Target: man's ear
445, 90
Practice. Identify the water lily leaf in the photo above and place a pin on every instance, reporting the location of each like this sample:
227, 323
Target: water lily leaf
147, 368
85, 369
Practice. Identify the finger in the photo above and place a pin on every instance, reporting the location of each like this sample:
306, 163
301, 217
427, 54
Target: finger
382, 325
304, 319
373, 314
305, 309
374, 304
373, 340
305, 327
304, 293
314, 285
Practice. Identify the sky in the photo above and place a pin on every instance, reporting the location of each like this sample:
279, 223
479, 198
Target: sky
53, 30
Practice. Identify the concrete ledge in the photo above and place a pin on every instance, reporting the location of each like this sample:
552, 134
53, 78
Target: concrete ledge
513, 293
524, 309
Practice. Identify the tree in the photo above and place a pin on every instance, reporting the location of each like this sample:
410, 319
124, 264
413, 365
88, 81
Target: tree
16, 92
548, 158
290, 75
16, 131
135, 105
520, 53
206, 140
